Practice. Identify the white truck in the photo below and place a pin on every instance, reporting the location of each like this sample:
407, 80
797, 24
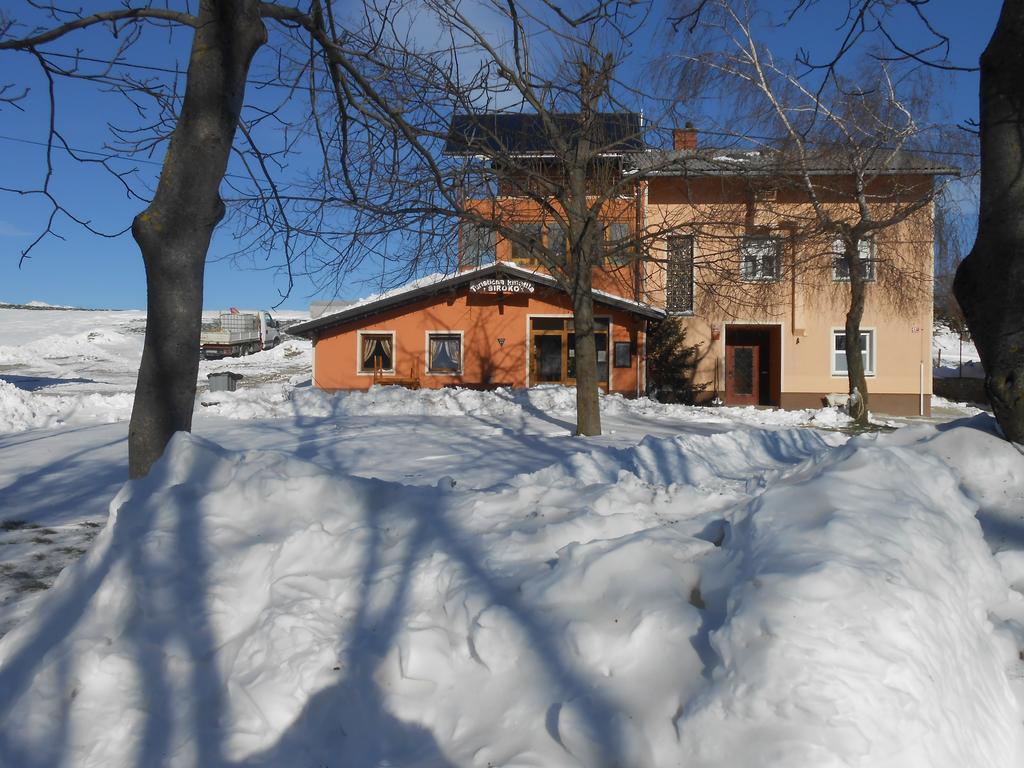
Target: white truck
239, 333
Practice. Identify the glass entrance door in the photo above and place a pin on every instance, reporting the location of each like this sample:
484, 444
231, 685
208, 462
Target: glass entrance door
547, 355
553, 351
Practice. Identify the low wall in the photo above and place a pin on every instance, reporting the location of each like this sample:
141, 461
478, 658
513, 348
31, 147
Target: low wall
965, 390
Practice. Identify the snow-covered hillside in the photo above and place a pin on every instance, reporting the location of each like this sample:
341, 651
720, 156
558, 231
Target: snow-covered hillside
450, 578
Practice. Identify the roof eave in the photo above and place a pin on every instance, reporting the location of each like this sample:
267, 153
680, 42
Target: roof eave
311, 327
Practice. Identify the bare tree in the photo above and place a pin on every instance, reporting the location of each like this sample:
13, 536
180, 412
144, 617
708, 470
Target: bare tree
990, 279
858, 154
467, 176
314, 59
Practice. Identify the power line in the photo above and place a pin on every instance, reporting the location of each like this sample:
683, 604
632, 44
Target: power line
164, 70
104, 155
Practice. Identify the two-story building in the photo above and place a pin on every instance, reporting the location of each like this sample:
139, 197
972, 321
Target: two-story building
723, 247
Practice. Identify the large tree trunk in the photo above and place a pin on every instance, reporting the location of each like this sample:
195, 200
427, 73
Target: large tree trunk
588, 406
174, 232
854, 315
990, 282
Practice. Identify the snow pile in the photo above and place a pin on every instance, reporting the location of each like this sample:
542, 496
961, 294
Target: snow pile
254, 609
104, 344
21, 410
280, 402
855, 603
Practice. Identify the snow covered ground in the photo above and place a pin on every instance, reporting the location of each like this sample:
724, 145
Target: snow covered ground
452, 579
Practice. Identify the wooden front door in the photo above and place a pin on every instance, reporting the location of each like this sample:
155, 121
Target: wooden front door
753, 364
742, 374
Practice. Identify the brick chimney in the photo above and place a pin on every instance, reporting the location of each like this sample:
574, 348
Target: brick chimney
684, 138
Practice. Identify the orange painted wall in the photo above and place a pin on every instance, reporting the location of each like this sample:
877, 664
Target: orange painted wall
482, 319
618, 279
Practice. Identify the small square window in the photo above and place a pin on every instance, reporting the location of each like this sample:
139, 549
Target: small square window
760, 258
376, 353
444, 353
866, 251
867, 348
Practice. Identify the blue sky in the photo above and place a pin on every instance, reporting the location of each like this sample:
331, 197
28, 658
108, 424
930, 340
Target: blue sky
90, 271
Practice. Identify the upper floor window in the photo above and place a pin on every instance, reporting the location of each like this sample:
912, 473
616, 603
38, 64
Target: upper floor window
866, 251
477, 245
760, 258
619, 243
558, 243
679, 276
526, 248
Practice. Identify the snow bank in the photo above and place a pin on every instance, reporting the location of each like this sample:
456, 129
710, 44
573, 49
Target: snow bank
854, 602
21, 410
269, 402
102, 344
253, 609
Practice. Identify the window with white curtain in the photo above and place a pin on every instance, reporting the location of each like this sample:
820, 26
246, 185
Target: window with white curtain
376, 352
444, 352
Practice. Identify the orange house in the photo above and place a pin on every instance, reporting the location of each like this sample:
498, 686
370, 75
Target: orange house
497, 325
714, 241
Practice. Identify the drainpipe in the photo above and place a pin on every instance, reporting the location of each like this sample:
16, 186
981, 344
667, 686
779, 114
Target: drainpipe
641, 362
921, 392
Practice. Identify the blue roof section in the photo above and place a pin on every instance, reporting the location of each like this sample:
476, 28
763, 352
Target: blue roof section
493, 134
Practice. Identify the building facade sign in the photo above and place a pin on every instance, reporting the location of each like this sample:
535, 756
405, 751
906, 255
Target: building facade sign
501, 285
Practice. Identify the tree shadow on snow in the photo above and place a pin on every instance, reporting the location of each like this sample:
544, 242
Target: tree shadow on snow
166, 624
349, 723
34, 383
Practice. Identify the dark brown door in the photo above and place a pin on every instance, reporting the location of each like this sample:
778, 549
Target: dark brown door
742, 374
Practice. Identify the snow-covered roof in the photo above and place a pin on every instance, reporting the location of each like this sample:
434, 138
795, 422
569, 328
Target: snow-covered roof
713, 161
437, 283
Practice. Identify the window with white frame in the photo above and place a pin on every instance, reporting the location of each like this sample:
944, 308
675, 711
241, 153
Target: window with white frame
444, 353
376, 352
760, 258
867, 351
866, 251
